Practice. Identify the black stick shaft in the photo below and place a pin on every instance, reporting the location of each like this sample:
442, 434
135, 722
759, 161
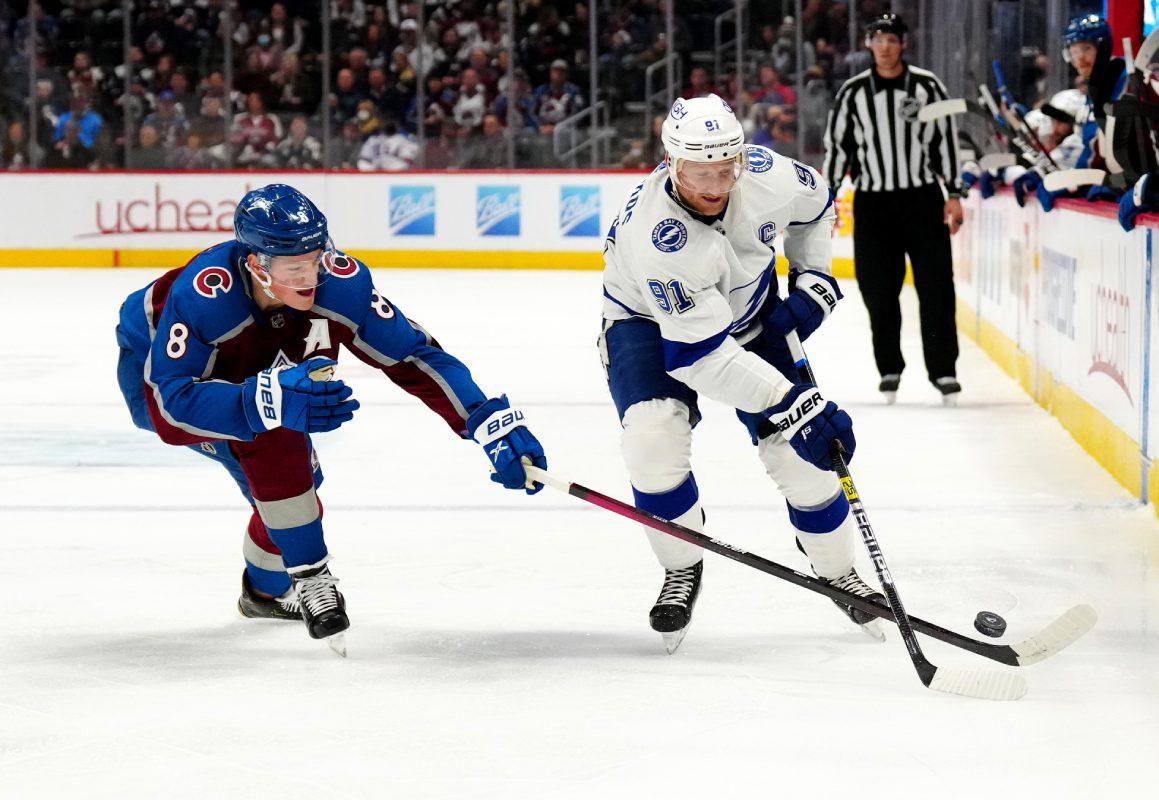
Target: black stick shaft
923, 666
1003, 654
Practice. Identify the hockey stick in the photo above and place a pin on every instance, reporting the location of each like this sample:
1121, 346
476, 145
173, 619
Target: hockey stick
1056, 636
1015, 141
942, 108
1017, 121
971, 683
997, 161
1068, 180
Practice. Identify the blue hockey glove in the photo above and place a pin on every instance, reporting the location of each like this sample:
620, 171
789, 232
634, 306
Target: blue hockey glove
287, 397
811, 424
1046, 197
1134, 203
1024, 184
1097, 193
988, 183
812, 298
506, 440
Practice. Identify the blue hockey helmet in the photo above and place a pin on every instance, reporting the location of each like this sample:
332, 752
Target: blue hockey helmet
1088, 28
278, 220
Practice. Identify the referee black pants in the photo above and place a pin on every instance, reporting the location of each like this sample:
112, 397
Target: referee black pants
886, 227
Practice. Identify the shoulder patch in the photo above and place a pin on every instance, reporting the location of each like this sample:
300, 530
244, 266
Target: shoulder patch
212, 281
805, 175
669, 235
760, 159
339, 264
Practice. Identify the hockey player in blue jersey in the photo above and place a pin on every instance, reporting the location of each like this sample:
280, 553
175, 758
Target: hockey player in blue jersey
691, 306
231, 354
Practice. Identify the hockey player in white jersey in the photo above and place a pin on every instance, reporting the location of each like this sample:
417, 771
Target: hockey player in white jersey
691, 307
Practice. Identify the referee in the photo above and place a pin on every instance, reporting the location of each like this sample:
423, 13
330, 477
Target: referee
906, 202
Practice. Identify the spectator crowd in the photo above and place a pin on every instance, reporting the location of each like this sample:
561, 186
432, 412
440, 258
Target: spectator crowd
178, 110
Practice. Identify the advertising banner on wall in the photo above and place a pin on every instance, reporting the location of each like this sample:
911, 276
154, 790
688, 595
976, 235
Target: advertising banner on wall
491, 219
1070, 294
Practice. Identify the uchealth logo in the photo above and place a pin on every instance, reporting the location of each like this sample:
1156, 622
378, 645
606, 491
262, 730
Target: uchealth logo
1110, 336
497, 210
579, 210
155, 212
412, 211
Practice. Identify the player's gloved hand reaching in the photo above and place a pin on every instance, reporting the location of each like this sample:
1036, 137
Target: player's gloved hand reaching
988, 182
1099, 192
1025, 184
500, 429
287, 397
811, 424
1137, 201
812, 298
1046, 197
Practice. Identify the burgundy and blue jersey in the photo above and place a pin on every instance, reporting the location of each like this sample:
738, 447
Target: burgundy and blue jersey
193, 336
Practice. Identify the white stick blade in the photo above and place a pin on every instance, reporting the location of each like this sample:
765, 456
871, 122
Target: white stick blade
980, 685
993, 161
1061, 633
541, 476
942, 108
1067, 180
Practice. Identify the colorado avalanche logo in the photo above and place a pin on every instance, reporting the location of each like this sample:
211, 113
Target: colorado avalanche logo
669, 235
212, 281
760, 159
338, 264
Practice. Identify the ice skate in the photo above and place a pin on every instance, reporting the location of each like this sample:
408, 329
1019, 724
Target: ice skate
251, 605
851, 582
888, 388
672, 613
950, 389
323, 607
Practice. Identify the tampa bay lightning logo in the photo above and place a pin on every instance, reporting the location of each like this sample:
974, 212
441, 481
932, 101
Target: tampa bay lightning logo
759, 159
669, 235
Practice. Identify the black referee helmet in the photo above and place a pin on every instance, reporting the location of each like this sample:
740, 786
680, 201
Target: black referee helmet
886, 23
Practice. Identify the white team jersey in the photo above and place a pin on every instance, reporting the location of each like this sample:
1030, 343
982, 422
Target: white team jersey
704, 284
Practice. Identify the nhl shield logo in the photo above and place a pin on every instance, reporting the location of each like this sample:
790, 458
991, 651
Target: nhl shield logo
910, 106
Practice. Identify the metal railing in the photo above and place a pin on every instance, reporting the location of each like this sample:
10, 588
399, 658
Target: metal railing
666, 91
567, 141
721, 48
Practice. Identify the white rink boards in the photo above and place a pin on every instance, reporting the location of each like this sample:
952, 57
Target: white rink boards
500, 645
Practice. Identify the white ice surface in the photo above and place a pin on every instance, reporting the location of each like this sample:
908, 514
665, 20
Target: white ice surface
500, 645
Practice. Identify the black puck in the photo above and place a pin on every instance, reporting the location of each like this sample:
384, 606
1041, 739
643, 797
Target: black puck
990, 624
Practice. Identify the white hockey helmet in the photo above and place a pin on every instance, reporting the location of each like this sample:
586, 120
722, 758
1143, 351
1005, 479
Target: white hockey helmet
1069, 100
1038, 122
703, 130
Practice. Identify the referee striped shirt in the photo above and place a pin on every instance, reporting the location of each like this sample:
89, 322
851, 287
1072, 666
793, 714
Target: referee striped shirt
874, 135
